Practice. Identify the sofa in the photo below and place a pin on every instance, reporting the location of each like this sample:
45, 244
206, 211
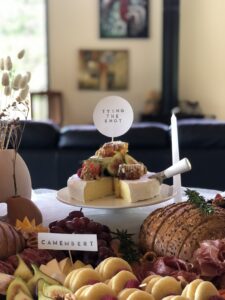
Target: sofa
52, 154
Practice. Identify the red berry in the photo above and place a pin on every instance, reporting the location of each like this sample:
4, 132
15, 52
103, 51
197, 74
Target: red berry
79, 172
218, 197
92, 167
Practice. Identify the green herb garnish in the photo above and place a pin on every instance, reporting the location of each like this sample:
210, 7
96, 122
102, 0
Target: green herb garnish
198, 200
128, 248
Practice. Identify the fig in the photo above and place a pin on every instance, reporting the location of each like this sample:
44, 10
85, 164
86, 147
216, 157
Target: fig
16, 286
22, 296
113, 166
37, 276
42, 297
5, 280
91, 169
55, 291
39, 286
22, 270
130, 160
106, 161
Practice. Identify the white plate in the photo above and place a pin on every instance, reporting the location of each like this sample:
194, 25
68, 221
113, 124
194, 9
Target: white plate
166, 193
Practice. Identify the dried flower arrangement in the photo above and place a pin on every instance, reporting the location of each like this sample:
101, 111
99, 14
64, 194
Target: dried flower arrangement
14, 105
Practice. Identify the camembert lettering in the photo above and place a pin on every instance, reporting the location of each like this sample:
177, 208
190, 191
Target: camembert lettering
57, 241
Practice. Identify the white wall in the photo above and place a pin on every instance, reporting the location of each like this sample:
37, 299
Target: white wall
73, 25
202, 54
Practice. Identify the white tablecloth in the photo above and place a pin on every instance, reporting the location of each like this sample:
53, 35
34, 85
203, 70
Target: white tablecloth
129, 218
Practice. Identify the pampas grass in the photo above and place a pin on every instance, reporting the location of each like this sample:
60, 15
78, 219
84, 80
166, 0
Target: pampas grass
14, 102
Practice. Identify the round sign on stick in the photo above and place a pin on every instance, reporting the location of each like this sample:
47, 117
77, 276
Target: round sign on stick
113, 116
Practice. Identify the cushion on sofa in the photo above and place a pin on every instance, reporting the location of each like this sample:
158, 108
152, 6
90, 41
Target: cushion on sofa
147, 135
81, 137
200, 134
39, 135
153, 135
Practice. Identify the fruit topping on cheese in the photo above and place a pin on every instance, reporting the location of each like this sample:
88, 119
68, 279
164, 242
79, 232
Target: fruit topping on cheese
112, 172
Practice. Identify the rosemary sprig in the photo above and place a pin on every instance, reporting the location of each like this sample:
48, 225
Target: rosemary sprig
128, 248
198, 200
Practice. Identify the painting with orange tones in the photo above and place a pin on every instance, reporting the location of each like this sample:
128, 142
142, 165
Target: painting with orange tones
104, 70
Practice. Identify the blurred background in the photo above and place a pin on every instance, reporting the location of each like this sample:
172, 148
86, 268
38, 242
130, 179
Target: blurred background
53, 32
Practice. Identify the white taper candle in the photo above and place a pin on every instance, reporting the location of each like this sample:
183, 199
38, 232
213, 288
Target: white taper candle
175, 158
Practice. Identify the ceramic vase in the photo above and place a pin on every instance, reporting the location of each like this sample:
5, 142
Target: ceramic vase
19, 205
22, 176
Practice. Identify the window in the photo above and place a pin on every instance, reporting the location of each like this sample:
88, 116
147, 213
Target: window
23, 26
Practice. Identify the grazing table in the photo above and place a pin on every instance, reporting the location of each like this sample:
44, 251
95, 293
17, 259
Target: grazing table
127, 218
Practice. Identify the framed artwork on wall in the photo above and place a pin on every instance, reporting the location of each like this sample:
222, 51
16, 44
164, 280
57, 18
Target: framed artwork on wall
124, 18
105, 70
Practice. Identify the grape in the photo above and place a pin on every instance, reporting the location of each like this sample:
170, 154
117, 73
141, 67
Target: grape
57, 229
78, 226
52, 224
70, 226
61, 223
105, 236
85, 220
104, 252
105, 228
98, 228
77, 255
91, 227
76, 214
76, 222
90, 257
102, 243
94, 227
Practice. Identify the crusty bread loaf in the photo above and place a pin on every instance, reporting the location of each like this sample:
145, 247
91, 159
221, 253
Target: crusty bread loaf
153, 224
177, 229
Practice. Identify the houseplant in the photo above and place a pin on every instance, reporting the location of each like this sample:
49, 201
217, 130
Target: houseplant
15, 181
